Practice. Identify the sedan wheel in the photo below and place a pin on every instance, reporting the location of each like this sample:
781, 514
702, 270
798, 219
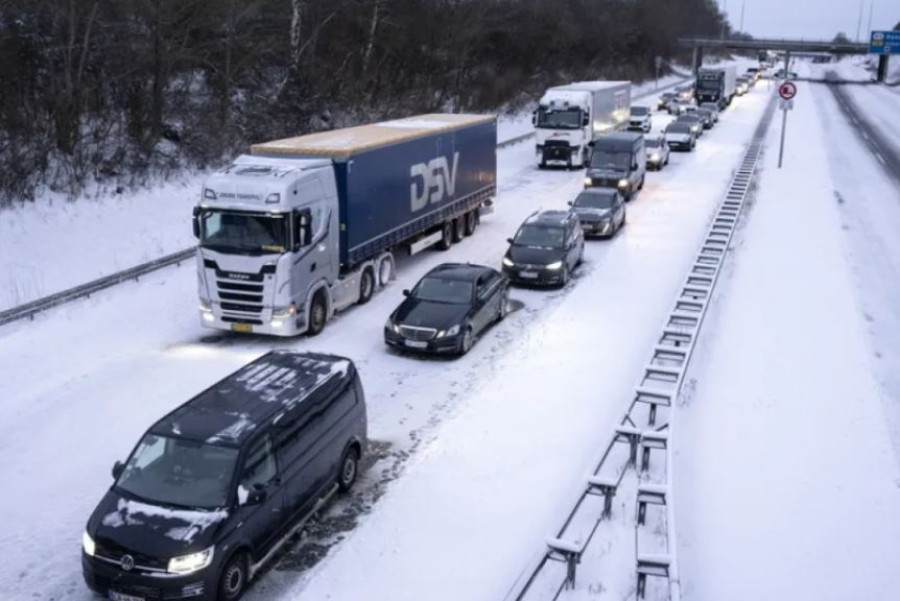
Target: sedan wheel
504, 306
468, 340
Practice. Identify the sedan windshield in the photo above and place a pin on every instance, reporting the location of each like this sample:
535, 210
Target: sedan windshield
639, 111
243, 232
594, 200
679, 128
175, 471
564, 119
438, 290
605, 159
540, 236
653, 142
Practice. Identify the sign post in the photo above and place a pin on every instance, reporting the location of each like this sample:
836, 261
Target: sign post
787, 91
659, 62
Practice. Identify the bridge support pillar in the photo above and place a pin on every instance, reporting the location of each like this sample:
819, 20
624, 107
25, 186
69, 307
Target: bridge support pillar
697, 60
882, 68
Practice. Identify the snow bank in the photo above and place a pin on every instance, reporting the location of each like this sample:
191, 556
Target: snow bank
787, 486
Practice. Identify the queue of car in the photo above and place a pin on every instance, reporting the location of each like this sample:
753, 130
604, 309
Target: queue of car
216, 487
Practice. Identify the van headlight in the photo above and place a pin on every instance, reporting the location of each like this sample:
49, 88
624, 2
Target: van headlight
623, 183
555, 266
87, 543
188, 564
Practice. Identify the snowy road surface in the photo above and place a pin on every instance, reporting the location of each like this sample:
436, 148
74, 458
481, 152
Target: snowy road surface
81, 384
787, 474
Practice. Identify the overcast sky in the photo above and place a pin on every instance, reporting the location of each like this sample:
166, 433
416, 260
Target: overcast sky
810, 19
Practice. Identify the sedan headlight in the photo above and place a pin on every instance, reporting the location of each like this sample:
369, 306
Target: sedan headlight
390, 325
654, 156
588, 181
555, 266
87, 543
695, 128
508, 262
188, 564
623, 183
451, 332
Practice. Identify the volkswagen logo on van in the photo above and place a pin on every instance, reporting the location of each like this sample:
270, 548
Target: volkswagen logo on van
127, 563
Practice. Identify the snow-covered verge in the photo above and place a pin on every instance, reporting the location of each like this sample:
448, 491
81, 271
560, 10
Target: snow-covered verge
54, 244
787, 480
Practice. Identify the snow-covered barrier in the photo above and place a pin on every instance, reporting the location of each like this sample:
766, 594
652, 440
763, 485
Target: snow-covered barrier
637, 534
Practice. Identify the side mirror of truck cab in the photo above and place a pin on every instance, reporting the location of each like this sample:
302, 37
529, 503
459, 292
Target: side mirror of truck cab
117, 469
534, 118
196, 222
585, 121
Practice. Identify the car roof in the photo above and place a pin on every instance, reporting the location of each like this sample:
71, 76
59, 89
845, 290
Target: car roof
459, 271
233, 409
598, 191
623, 140
552, 217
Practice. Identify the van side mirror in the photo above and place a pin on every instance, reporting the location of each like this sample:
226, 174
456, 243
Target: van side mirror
570, 203
585, 121
196, 222
257, 496
509, 240
534, 118
406, 293
117, 469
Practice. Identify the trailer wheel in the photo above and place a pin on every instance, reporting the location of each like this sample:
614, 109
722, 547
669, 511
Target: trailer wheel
318, 314
385, 270
459, 228
446, 236
366, 286
471, 222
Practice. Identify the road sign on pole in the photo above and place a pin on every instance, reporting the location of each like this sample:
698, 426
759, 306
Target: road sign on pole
659, 64
787, 91
884, 42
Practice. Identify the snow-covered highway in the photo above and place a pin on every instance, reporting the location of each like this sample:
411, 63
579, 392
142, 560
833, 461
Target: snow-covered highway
494, 437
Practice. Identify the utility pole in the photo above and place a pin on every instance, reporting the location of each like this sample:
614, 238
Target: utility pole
871, 5
859, 20
724, 17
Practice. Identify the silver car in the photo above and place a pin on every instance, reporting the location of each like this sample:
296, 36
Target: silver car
657, 151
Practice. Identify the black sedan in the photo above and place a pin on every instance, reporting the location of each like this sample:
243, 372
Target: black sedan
448, 309
545, 250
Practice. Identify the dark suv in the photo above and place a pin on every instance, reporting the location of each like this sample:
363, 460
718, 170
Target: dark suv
545, 250
216, 487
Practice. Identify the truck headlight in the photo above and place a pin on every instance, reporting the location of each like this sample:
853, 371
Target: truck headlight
588, 181
206, 310
508, 262
188, 564
87, 543
555, 266
283, 312
454, 331
623, 183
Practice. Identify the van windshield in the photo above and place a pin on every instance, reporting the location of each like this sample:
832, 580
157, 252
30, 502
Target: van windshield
179, 472
605, 159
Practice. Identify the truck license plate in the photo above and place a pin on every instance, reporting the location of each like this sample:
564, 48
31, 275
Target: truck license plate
114, 596
241, 327
528, 275
415, 344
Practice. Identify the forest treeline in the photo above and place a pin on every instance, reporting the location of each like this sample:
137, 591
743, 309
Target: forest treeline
94, 90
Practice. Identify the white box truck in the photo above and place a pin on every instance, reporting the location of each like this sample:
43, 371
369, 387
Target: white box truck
716, 84
570, 118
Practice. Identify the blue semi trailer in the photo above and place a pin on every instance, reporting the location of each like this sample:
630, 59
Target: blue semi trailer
304, 227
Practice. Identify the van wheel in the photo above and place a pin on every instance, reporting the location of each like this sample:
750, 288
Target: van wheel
446, 236
366, 286
459, 229
470, 222
233, 579
641, 185
318, 314
349, 469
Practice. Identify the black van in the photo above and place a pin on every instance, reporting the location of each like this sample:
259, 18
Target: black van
618, 160
215, 487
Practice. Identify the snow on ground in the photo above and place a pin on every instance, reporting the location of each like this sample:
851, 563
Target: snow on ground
53, 244
83, 382
787, 483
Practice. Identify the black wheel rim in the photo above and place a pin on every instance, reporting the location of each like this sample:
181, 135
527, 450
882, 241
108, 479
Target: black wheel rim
318, 315
348, 473
367, 284
233, 581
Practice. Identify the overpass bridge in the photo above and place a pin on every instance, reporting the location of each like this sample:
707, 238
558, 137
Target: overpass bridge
788, 47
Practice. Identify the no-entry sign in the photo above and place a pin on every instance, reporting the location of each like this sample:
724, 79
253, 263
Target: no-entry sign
787, 90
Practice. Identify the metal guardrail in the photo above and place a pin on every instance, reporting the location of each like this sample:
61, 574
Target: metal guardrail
646, 431
34, 307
